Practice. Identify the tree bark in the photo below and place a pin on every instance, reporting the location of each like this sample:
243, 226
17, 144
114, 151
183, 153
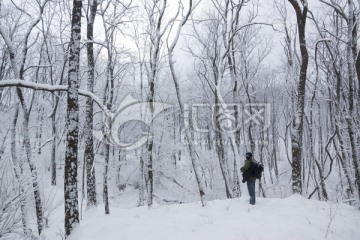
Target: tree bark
89, 138
72, 117
154, 60
298, 118
351, 104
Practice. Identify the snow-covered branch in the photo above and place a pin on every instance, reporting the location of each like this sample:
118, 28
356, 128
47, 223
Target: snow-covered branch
11, 51
337, 8
51, 88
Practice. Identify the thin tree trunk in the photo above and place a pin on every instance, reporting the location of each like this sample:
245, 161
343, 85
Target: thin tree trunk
105, 184
109, 99
53, 150
141, 179
192, 153
34, 175
220, 151
26, 142
17, 166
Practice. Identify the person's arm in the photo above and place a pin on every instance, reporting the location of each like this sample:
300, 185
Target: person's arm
246, 166
244, 170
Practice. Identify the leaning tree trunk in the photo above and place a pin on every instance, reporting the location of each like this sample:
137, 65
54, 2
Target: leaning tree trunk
26, 142
17, 167
33, 170
194, 159
298, 118
72, 117
220, 149
192, 153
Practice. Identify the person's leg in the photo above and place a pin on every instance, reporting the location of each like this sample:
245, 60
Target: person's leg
251, 189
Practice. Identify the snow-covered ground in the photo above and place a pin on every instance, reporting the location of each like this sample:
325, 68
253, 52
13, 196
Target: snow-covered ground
289, 218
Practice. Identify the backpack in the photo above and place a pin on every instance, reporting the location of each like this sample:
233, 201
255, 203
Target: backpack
256, 169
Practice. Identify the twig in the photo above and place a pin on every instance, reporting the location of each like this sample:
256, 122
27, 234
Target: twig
332, 217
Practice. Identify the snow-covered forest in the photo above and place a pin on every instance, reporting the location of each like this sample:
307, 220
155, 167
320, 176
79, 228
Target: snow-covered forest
136, 104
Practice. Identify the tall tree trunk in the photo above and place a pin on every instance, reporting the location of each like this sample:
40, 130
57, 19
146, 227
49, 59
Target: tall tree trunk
110, 79
89, 139
233, 75
154, 53
72, 117
298, 118
192, 153
350, 115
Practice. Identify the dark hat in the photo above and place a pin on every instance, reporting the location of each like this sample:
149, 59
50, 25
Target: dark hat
248, 155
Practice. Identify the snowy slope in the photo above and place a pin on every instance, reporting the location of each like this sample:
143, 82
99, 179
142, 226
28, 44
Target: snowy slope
290, 218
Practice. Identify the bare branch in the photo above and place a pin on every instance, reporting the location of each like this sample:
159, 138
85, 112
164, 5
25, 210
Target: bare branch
336, 7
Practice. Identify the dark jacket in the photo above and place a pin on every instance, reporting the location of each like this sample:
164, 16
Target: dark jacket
246, 171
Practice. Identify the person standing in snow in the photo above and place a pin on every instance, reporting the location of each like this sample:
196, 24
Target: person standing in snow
248, 178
